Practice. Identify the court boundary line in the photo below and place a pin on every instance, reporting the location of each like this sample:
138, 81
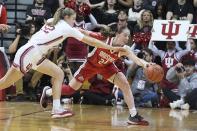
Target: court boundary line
25, 114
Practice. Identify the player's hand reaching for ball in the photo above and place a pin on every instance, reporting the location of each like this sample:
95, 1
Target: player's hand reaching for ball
146, 64
124, 51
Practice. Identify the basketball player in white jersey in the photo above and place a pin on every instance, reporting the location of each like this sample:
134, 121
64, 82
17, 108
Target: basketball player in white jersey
31, 55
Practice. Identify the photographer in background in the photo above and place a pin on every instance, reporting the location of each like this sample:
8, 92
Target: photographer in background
184, 74
23, 34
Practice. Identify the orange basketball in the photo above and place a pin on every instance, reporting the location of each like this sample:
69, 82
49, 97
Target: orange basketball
154, 73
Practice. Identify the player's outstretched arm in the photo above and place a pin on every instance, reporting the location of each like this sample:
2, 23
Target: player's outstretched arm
97, 43
129, 53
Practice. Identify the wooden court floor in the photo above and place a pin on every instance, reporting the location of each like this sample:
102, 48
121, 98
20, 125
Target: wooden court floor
30, 117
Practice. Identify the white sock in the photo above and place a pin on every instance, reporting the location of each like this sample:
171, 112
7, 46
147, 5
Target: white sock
56, 104
49, 92
133, 111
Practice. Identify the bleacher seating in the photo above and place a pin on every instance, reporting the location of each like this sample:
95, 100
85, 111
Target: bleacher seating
16, 12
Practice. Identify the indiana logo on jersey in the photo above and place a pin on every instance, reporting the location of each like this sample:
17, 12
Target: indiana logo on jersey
169, 62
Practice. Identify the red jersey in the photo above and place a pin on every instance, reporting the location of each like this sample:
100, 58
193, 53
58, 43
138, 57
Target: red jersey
168, 62
100, 57
100, 61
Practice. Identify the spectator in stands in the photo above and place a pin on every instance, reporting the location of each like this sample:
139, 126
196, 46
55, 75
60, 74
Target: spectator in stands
143, 90
186, 77
169, 59
52, 5
135, 12
24, 33
150, 4
193, 53
125, 4
38, 13
109, 10
183, 9
160, 11
122, 21
145, 23
142, 30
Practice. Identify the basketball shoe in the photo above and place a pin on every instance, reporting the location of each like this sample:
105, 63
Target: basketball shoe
185, 106
44, 99
137, 120
61, 113
176, 104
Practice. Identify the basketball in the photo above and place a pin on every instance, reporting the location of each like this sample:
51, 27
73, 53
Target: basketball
154, 73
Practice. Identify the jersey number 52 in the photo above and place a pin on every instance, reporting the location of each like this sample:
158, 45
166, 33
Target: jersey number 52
47, 28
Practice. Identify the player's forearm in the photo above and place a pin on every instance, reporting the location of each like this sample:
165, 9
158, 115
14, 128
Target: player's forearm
96, 43
137, 60
13, 46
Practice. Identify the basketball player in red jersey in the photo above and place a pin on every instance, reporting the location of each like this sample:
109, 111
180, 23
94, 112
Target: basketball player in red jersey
101, 61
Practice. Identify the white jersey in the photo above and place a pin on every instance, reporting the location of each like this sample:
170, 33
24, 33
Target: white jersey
30, 56
50, 36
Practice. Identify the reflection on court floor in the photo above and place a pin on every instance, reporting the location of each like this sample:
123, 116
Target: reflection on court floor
30, 117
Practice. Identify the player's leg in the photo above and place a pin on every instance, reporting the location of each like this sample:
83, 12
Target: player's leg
10, 78
51, 69
120, 80
67, 90
84, 72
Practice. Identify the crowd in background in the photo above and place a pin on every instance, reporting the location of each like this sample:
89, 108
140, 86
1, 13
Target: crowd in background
178, 88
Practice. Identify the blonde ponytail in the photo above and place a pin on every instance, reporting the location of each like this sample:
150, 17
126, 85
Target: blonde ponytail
59, 14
